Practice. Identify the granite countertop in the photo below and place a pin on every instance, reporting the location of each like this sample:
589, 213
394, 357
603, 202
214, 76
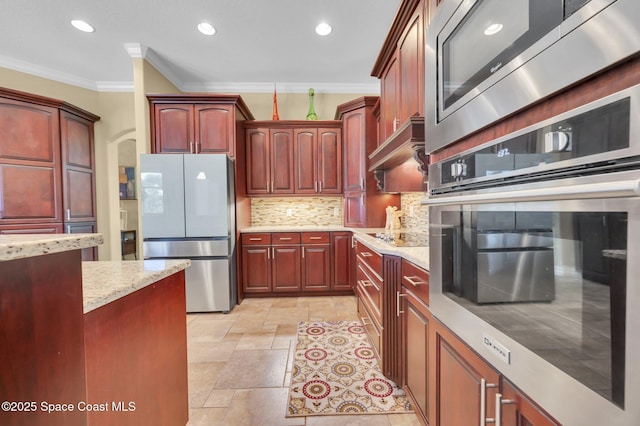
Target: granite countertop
20, 246
106, 281
417, 255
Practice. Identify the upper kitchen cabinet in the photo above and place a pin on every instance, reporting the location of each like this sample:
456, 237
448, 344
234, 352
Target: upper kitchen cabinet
47, 165
399, 161
293, 157
318, 160
400, 68
196, 124
364, 203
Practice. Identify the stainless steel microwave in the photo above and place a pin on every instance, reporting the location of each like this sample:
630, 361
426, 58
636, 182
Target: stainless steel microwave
486, 59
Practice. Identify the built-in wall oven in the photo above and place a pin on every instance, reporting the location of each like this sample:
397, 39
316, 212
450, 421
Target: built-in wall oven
535, 249
490, 58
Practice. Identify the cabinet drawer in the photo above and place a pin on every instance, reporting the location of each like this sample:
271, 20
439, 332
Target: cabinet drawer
256, 239
371, 258
374, 331
280, 238
416, 279
371, 291
315, 238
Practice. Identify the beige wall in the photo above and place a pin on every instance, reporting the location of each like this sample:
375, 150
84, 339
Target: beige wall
124, 117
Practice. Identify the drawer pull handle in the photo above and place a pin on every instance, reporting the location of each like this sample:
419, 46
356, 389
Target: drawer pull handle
366, 254
365, 283
414, 281
483, 402
284, 238
255, 239
398, 296
315, 238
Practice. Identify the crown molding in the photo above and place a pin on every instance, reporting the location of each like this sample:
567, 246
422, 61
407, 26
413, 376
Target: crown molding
361, 88
48, 73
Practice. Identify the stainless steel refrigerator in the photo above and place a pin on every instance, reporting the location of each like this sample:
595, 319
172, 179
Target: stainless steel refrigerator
188, 212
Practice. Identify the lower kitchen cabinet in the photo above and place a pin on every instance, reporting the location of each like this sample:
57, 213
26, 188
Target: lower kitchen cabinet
316, 261
295, 263
343, 260
464, 386
518, 410
415, 325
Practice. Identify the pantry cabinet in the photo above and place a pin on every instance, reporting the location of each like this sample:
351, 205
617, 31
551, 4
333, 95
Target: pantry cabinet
196, 124
47, 166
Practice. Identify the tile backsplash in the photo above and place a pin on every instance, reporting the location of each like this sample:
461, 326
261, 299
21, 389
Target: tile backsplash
327, 211
302, 211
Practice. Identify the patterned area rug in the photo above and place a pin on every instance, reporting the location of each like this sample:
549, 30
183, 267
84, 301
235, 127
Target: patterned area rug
335, 372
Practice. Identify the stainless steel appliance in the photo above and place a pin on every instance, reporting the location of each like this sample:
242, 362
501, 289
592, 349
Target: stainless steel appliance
566, 319
188, 211
494, 58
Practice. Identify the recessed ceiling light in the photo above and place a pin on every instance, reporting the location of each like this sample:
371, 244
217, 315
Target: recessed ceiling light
323, 29
492, 29
206, 28
82, 26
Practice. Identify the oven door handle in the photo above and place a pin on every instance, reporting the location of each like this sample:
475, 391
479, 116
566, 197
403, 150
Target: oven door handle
624, 188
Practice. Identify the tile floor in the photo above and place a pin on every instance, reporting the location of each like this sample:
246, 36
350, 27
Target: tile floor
240, 363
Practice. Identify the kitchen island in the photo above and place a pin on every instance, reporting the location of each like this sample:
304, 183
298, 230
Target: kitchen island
89, 342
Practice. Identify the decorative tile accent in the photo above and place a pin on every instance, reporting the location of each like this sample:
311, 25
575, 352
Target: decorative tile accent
420, 219
305, 211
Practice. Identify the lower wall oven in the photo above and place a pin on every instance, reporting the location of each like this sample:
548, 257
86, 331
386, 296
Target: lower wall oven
538, 273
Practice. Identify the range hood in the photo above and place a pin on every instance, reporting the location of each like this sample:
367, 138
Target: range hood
400, 163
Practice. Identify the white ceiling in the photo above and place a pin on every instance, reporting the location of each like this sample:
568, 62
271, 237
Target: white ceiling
258, 43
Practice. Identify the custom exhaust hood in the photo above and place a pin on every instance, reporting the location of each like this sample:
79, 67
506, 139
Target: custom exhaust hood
400, 163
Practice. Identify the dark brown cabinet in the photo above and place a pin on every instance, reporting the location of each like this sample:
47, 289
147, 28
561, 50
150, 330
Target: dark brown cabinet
400, 68
364, 204
196, 124
343, 257
47, 166
293, 157
269, 161
296, 263
286, 261
316, 261
318, 161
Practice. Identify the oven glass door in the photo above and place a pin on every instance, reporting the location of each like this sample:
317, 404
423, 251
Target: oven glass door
551, 275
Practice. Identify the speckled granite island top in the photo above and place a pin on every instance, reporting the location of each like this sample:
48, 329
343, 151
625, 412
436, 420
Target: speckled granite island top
21, 246
104, 281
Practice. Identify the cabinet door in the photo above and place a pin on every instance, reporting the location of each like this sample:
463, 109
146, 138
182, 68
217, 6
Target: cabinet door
258, 161
282, 167
173, 128
519, 410
458, 376
30, 187
411, 80
416, 321
389, 114
354, 209
78, 179
342, 272
256, 269
354, 128
306, 160
286, 268
329, 161
316, 267
214, 129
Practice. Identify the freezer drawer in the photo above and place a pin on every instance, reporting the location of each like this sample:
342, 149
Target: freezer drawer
209, 286
187, 248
